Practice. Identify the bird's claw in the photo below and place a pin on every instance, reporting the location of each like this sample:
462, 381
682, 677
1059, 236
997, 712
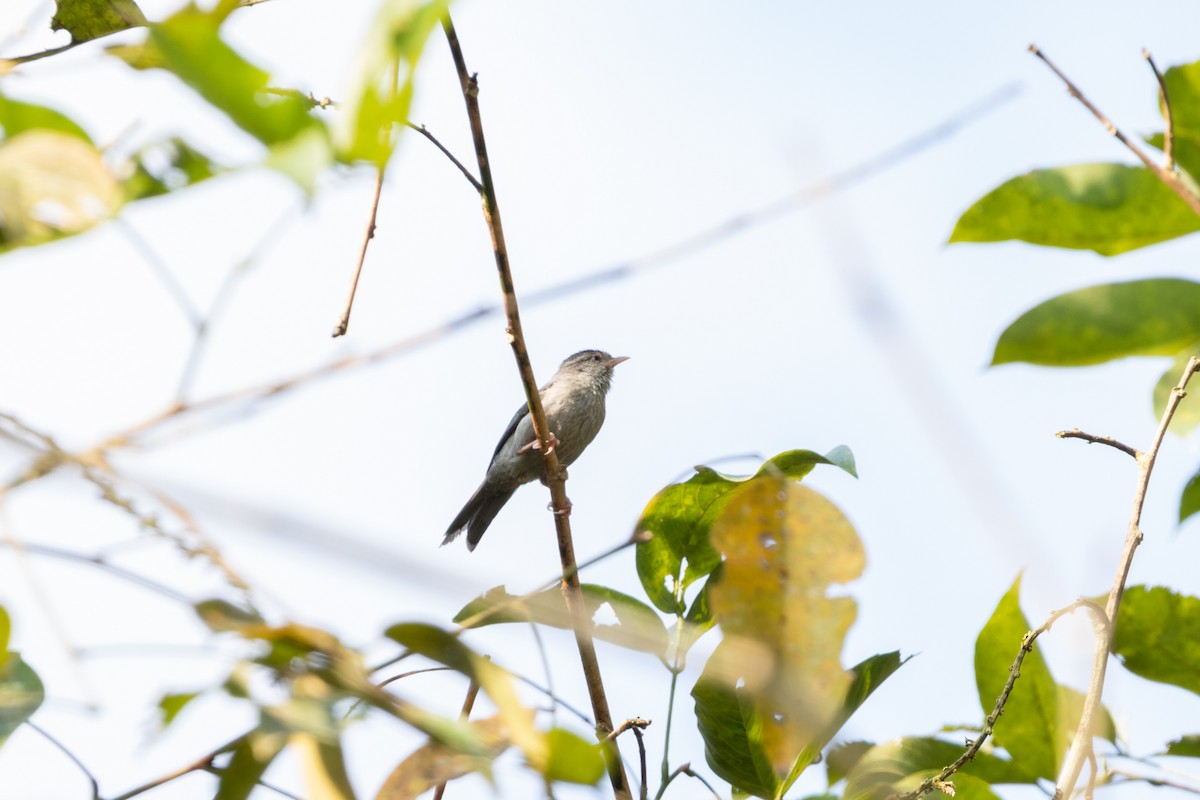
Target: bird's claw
537, 445
562, 512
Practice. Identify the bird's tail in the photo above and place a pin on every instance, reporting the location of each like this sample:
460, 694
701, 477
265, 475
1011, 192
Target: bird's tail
477, 515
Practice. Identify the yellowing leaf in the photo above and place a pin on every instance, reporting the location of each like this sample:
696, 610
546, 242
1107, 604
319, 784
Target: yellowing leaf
784, 546
52, 184
435, 763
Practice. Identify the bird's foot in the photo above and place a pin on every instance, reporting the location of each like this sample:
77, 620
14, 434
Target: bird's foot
562, 474
565, 511
537, 445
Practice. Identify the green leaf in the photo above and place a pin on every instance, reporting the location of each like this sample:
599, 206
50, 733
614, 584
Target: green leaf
5, 634
1030, 727
842, 757
678, 519
90, 19
249, 761
731, 728
1183, 87
193, 50
17, 117
383, 88
1185, 149
21, 694
1187, 413
572, 758
1154, 317
52, 185
1189, 501
1158, 636
1108, 208
868, 675
1184, 746
169, 706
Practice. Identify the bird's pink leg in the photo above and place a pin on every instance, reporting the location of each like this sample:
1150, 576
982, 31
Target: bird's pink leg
537, 445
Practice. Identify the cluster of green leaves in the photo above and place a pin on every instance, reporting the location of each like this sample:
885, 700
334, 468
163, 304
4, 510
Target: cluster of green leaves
55, 181
1110, 209
735, 551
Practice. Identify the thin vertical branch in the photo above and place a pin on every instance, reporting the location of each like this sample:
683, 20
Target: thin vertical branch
1169, 133
1081, 745
344, 321
555, 475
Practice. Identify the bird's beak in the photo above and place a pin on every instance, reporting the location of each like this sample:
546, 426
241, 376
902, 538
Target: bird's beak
612, 362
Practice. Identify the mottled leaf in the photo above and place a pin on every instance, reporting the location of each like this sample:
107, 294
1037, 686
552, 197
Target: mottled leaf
1108, 208
1188, 746
90, 19
777, 688
1154, 317
1158, 636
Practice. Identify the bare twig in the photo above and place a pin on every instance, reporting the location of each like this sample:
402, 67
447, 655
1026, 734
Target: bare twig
555, 476
1081, 744
1075, 433
643, 786
1169, 132
344, 320
635, 722
1014, 672
686, 769
202, 764
1168, 176
468, 704
466, 172
162, 270
62, 748
1132, 777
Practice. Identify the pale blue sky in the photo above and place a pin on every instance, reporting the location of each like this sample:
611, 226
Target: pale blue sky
614, 130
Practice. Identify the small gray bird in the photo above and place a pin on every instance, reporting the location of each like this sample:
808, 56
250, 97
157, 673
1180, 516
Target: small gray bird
574, 403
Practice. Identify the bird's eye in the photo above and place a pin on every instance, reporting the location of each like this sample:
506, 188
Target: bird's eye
596, 357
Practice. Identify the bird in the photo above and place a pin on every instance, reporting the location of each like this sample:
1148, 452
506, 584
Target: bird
573, 400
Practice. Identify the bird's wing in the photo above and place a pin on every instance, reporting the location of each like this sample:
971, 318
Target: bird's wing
511, 430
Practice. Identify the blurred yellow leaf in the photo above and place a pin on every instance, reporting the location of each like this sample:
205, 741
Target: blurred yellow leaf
784, 545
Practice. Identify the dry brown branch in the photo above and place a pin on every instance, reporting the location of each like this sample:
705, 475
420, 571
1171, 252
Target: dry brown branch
344, 321
1081, 744
1075, 433
555, 476
1165, 174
